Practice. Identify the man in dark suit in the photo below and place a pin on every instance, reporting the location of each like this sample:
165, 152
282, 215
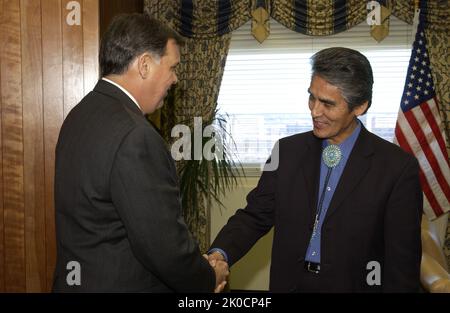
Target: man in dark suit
119, 226
345, 204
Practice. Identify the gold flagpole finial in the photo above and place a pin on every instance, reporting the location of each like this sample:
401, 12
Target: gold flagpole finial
416, 4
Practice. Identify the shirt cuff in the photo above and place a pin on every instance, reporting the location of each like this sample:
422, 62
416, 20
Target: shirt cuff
225, 256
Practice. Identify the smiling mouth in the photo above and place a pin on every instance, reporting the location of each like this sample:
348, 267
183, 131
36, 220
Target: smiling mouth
319, 125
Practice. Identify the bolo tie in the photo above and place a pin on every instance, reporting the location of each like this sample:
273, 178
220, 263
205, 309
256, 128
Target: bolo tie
331, 156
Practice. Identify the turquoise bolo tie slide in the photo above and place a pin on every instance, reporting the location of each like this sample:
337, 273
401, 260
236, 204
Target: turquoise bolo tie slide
332, 155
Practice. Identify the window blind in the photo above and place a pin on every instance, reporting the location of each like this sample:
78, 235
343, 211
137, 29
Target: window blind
264, 87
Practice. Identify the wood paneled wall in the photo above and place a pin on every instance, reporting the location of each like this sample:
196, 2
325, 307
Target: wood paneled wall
110, 8
46, 67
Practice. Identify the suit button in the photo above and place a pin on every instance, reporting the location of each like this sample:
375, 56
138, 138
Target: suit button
293, 289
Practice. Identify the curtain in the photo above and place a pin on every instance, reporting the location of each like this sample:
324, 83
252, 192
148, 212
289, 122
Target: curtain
319, 18
437, 32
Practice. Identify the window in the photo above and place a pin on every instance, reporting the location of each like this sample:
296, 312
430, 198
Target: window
264, 87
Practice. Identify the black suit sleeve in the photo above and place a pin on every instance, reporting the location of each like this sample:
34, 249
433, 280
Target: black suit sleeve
248, 225
145, 192
401, 270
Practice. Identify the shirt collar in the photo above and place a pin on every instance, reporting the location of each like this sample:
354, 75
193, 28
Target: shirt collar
124, 90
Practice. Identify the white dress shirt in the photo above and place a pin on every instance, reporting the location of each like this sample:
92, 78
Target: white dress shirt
124, 90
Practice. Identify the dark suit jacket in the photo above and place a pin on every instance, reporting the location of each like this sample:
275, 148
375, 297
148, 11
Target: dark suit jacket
374, 216
118, 211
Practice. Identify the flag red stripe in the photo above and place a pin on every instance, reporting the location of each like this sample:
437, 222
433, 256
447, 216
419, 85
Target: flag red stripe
435, 128
402, 139
437, 209
428, 152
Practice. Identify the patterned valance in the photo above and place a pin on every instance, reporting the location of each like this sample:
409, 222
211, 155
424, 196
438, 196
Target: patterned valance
206, 19
201, 19
436, 12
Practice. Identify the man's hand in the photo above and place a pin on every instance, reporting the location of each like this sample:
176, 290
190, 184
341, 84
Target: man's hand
214, 257
217, 262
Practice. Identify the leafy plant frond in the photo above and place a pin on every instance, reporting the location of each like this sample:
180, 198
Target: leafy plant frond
203, 179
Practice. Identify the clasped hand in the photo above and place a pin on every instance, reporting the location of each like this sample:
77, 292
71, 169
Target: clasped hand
220, 267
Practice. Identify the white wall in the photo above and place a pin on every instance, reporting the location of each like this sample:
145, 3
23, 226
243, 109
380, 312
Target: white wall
252, 271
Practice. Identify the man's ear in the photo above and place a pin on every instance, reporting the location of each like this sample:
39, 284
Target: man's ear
145, 63
360, 109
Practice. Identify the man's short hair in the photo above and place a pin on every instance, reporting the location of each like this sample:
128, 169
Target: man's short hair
347, 69
130, 35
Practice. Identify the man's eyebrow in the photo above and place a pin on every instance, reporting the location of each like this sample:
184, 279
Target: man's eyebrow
327, 101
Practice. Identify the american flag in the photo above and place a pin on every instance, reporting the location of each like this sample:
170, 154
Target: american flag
419, 129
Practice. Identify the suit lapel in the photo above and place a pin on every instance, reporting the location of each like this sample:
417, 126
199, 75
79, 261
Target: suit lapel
311, 171
356, 168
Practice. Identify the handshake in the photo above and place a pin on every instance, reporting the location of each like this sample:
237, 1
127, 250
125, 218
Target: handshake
217, 262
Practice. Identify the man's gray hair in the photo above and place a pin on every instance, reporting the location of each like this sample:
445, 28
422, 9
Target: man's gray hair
347, 69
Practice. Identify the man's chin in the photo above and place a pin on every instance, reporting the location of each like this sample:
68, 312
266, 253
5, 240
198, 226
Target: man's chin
319, 134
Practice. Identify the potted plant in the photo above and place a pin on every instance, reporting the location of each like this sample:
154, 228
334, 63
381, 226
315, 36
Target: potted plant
204, 181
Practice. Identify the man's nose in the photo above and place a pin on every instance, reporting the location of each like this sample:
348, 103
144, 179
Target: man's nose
316, 108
